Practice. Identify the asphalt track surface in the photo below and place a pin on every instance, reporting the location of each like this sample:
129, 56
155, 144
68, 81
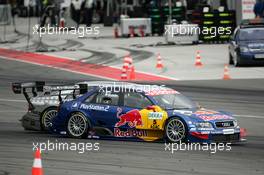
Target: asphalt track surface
123, 157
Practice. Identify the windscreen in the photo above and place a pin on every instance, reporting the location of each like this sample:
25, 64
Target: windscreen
174, 101
251, 34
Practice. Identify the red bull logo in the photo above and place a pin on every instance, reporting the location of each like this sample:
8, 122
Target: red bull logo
132, 118
130, 133
207, 112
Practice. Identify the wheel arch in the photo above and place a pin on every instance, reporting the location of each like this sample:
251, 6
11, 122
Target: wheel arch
47, 108
183, 119
88, 118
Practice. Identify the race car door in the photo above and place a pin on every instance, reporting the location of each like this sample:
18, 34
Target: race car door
129, 116
103, 108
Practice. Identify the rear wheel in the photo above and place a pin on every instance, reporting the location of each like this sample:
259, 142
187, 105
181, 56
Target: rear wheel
175, 130
47, 116
77, 126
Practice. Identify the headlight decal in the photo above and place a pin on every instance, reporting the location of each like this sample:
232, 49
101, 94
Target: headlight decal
204, 125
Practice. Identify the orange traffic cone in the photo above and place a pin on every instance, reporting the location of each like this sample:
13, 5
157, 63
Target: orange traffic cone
198, 62
124, 73
226, 73
131, 32
132, 73
127, 61
141, 31
126, 65
37, 165
116, 32
159, 64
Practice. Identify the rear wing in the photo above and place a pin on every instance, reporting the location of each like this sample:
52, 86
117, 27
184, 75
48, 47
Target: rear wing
19, 88
35, 87
67, 90
39, 86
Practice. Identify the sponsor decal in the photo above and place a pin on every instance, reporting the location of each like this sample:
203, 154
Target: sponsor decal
92, 134
162, 92
63, 132
214, 117
155, 125
216, 132
226, 124
94, 107
206, 129
192, 129
205, 112
129, 133
182, 112
228, 131
155, 115
132, 118
74, 105
205, 132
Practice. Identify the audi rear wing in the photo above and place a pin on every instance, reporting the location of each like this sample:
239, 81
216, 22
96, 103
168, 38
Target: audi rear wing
67, 90
35, 87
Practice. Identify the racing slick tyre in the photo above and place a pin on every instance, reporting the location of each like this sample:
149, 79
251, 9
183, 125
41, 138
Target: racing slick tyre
78, 126
175, 130
46, 118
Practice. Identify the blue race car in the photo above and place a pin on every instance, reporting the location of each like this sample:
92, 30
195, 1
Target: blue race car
132, 111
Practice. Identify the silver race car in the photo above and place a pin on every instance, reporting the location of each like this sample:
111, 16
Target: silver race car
43, 101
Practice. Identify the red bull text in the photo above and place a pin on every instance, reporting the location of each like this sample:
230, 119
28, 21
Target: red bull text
129, 133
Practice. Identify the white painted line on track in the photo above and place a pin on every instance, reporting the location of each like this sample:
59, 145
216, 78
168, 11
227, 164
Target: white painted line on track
12, 111
249, 116
13, 100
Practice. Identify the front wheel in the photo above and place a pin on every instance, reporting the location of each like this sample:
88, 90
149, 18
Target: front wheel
77, 126
175, 130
